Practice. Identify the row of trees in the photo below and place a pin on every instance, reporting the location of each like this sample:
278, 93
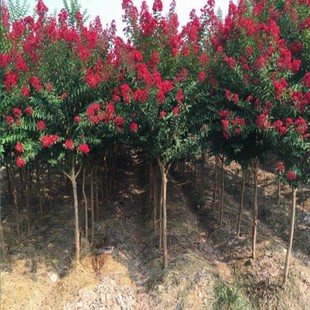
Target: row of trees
238, 87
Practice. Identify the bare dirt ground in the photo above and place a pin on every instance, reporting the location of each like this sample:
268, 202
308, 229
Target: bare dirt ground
209, 268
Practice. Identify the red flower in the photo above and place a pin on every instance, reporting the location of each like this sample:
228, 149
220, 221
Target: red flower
296, 65
25, 91
19, 147
77, 119
291, 176
162, 114
119, 121
280, 166
224, 113
92, 79
83, 148
41, 125
36, 83
180, 96
47, 141
262, 121
133, 127
306, 80
201, 76
20, 162
69, 145
176, 111
17, 112
29, 111
9, 120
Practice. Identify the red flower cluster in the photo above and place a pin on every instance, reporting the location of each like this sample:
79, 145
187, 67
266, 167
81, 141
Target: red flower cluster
69, 145
20, 162
291, 176
262, 121
280, 166
83, 148
17, 112
25, 91
133, 127
41, 125
19, 147
47, 141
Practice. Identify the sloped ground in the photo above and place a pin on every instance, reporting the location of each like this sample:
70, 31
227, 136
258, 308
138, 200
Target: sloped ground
261, 281
209, 268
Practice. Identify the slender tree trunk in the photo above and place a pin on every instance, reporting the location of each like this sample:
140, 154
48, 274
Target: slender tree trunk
72, 177
92, 204
291, 236
215, 183
97, 195
279, 193
85, 204
164, 173
27, 198
195, 174
255, 209
222, 190
16, 211
203, 177
3, 244
151, 186
161, 218
155, 195
241, 203
39, 189
22, 187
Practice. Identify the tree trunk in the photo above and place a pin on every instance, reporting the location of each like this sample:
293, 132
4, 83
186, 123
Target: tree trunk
161, 218
155, 197
8, 176
73, 176
203, 176
255, 209
164, 173
97, 195
15, 202
291, 236
279, 194
27, 199
215, 183
222, 190
92, 204
85, 204
241, 203
39, 189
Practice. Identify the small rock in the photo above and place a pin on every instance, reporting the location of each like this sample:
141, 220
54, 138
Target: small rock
160, 288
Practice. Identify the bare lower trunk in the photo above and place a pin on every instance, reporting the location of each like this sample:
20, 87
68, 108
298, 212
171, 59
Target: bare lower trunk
39, 189
161, 218
155, 196
241, 203
279, 193
97, 195
73, 176
92, 204
215, 183
85, 204
291, 236
16, 211
8, 176
222, 190
27, 199
202, 188
255, 209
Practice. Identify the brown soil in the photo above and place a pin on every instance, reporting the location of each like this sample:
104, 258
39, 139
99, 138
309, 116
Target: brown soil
209, 267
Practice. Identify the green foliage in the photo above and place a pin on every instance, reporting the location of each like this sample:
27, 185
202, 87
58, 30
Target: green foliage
18, 9
72, 8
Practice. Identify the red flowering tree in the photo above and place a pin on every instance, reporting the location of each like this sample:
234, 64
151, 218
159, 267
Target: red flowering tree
52, 72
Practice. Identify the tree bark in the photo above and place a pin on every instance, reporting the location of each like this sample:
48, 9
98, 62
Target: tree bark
155, 197
85, 204
279, 194
97, 195
222, 190
73, 176
215, 183
203, 178
15, 202
164, 173
241, 203
92, 204
39, 189
255, 209
8, 176
27, 198
291, 236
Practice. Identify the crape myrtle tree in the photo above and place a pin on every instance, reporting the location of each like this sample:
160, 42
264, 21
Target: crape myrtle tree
254, 77
52, 72
156, 88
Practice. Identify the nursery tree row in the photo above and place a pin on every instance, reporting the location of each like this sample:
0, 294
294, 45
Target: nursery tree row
237, 87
